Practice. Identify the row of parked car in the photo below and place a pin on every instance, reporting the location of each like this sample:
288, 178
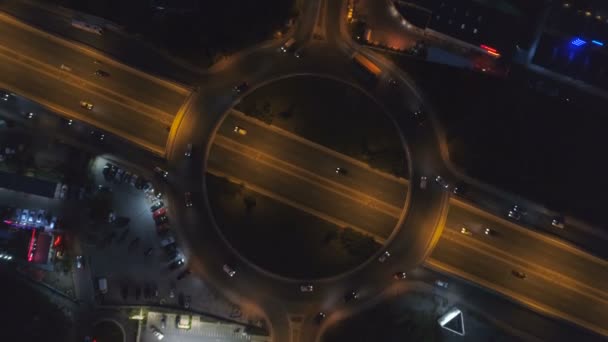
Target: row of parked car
113, 173
167, 243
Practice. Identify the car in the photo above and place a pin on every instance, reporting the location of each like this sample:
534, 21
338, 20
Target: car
149, 251
306, 288
384, 256
163, 321
241, 87
460, 189
101, 73
351, 295
30, 115
439, 180
518, 274
188, 198
299, 52
399, 275
514, 215
558, 222
160, 212
86, 105
418, 115
442, 283
79, 261
341, 171
392, 82
229, 270
240, 130
176, 264
163, 228
157, 333
168, 241
157, 205
160, 172
64, 191
423, 180
187, 302
183, 274
161, 219
188, 152
488, 231
119, 174
319, 317
134, 179
97, 135
172, 291
464, 230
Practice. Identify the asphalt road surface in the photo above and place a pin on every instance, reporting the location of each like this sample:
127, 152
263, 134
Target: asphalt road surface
126, 102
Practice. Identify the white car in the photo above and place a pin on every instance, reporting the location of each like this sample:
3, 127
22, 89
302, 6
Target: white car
229, 270
157, 333
306, 288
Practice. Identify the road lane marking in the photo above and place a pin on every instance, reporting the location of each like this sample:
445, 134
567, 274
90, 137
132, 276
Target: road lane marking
289, 135
306, 209
308, 176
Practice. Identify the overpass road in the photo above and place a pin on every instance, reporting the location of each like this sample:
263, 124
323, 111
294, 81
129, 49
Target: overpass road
555, 283
60, 74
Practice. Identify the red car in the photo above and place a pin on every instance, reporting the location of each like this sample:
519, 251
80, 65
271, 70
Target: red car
160, 212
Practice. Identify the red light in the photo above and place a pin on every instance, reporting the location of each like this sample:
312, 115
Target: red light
57, 241
8, 221
487, 48
30, 255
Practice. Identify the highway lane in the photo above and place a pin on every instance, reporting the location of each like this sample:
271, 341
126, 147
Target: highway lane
315, 158
277, 179
536, 291
571, 263
124, 80
112, 116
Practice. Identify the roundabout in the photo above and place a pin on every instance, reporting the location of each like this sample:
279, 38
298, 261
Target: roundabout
279, 298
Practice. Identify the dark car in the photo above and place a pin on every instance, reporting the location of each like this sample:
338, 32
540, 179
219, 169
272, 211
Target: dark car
161, 219
460, 189
351, 296
419, 117
241, 87
518, 274
149, 251
319, 317
188, 199
183, 274
101, 73
341, 171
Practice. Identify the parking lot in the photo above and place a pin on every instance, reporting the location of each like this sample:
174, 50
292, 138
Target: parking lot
138, 254
199, 330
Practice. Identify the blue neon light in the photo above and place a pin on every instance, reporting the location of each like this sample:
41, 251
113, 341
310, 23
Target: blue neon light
597, 42
578, 42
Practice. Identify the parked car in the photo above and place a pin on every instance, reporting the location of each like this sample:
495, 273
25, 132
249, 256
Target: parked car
176, 264
157, 205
